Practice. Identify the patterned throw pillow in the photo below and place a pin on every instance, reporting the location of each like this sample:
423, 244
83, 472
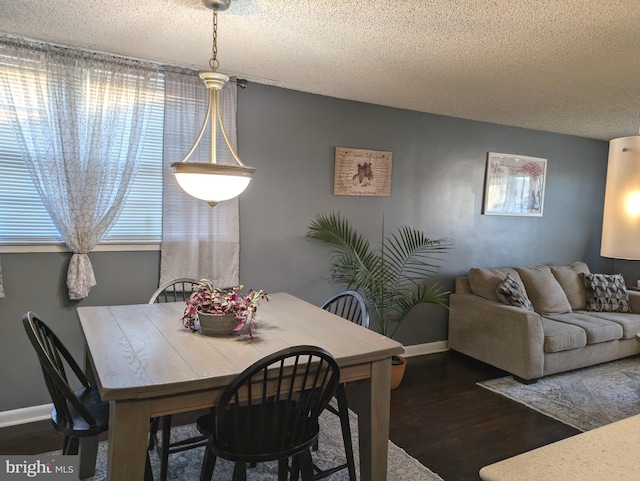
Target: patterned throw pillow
511, 293
606, 293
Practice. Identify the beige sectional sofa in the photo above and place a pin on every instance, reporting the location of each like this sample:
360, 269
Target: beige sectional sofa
577, 319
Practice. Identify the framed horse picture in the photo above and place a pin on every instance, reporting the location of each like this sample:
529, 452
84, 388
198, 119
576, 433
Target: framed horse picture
362, 172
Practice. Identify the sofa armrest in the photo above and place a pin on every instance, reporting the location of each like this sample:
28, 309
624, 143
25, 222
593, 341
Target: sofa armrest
507, 337
634, 301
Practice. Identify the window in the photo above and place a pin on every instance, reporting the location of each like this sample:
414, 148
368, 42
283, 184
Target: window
24, 219
141, 217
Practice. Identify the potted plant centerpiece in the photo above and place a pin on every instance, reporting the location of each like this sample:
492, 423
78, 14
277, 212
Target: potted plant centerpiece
215, 311
391, 278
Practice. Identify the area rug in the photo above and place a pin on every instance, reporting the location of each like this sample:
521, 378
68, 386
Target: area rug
585, 398
185, 466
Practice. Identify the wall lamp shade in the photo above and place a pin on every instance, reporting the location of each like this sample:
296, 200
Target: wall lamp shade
213, 181
621, 220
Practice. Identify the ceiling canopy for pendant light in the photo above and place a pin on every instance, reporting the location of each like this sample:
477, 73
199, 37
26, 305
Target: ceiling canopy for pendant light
212, 181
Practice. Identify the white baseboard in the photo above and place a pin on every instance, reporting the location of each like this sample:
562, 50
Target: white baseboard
39, 413
428, 348
25, 415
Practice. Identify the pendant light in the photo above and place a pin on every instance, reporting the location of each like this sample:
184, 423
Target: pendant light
212, 181
621, 219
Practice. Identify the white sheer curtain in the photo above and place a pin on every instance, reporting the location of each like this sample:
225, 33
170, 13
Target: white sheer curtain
197, 240
78, 118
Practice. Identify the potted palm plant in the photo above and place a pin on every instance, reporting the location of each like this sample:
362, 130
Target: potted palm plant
391, 277
216, 311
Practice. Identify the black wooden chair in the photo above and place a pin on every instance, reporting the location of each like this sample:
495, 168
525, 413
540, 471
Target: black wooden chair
81, 415
270, 412
351, 306
175, 290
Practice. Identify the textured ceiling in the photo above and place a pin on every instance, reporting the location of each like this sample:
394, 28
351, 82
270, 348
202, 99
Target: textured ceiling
567, 66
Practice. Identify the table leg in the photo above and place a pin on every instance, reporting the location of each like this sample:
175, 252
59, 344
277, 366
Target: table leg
128, 437
373, 402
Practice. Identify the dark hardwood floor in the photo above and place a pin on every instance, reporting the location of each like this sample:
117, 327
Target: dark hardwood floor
454, 427
438, 415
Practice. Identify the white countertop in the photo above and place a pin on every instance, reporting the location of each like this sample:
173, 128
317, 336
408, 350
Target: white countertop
610, 453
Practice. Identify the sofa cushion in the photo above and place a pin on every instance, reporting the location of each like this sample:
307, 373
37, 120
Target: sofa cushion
560, 336
629, 322
483, 282
606, 293
571, 282
543, 290
511, 293
596, 328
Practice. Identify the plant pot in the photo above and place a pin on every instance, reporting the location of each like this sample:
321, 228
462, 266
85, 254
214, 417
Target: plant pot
217, 324
398, 365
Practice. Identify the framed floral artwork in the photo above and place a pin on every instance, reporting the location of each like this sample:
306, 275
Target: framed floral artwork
514, 185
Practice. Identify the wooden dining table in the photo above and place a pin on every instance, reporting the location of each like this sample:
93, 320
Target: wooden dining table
146, 364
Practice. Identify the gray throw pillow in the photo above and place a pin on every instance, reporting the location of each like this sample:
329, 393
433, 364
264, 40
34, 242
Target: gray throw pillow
606, 293
511, 293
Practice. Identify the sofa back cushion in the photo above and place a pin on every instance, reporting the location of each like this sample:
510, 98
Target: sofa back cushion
543, 290
484, 282
571, 282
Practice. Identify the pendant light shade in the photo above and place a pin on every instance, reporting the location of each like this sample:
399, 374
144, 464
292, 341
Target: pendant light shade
621, 220
212, 181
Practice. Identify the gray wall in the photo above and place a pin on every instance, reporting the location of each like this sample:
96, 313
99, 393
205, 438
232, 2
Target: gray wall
290, 137
437, 186
37, 282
